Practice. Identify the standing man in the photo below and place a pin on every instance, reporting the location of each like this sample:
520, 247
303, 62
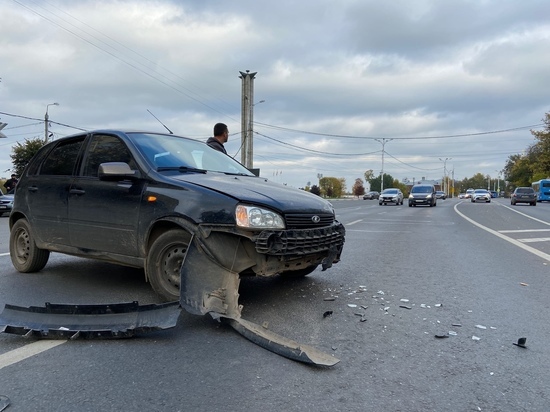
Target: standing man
10, 183
221, 134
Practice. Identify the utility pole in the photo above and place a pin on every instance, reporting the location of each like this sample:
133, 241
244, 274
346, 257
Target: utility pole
383, 142
46, 120
247, 118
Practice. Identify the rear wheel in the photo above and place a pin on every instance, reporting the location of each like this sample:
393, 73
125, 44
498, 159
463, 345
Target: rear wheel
25, 255
164, 263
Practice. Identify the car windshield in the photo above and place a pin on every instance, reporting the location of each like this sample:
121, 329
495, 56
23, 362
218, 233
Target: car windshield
174, 153
422, 189
481, 191
389, 192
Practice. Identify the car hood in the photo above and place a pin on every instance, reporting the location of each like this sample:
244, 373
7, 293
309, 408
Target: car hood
259, 191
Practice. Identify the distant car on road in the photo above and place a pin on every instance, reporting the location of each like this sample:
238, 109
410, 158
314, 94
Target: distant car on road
462, 196
391, 195
439, 194
524, 195
422, 195
481, 195
6, 203
371, 195
469, 193
494, 193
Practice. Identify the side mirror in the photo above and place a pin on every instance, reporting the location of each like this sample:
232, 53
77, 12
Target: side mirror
116, 170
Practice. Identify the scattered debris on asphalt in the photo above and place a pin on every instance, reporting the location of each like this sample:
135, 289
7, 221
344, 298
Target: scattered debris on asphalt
327, 313
524, 284
474, 337
521, 343
4, 402
441, 336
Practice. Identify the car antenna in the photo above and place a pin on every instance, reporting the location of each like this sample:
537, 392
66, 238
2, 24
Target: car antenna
160, 121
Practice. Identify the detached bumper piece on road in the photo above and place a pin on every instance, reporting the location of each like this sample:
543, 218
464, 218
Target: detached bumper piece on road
60, 321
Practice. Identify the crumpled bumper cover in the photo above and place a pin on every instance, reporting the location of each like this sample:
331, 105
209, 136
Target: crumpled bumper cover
62, 321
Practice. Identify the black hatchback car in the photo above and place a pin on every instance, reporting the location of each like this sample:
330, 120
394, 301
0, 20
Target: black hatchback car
524, 195
139, 199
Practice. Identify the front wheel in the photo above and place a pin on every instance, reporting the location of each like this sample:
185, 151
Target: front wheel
25, 255
164, 263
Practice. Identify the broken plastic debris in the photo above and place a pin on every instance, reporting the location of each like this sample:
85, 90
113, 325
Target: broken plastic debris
441, 336
457, 324
524, 284
265, 325
521, 343
386, 308
329, 299
404, 300
438, 305
481, 327
452, 333
327, 313
422, 305
4, 402
476, 337
380, 292
405, 307
352, 305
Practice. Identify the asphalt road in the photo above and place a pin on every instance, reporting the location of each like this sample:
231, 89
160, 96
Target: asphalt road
477, 273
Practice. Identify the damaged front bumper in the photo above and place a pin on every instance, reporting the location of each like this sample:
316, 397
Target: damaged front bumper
207, 286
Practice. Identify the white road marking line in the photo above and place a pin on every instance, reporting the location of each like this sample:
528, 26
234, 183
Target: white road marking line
530, 249
354, 222
5, 254
17, 355
538, 239
523, 214
524, 230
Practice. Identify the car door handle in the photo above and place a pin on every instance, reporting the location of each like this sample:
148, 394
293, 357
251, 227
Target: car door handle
33, 189
77, 191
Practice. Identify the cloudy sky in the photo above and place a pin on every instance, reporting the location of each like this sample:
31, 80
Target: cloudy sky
425, 80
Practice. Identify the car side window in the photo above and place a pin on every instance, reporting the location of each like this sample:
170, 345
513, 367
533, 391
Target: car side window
105, 149
61, 160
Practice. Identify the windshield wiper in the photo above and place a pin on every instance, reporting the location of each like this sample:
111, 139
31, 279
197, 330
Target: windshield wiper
181, 169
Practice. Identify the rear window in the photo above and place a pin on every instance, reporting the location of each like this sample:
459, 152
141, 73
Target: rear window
524, 190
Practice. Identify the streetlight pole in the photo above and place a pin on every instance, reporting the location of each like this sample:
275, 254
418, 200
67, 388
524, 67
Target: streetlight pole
46, 118
445, 185
383, 142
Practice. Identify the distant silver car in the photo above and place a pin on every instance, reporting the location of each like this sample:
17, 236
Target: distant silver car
6, 203
481, 195
391, 195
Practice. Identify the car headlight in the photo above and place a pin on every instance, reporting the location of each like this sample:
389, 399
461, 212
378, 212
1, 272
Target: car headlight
253, 217
429, 196
411, 197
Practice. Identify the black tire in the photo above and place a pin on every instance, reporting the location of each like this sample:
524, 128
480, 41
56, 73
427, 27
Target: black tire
164, 262
300, 273
25, 255
410, 204
534, 204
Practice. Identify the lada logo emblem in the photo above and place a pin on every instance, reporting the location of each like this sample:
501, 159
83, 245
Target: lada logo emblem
315, 219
